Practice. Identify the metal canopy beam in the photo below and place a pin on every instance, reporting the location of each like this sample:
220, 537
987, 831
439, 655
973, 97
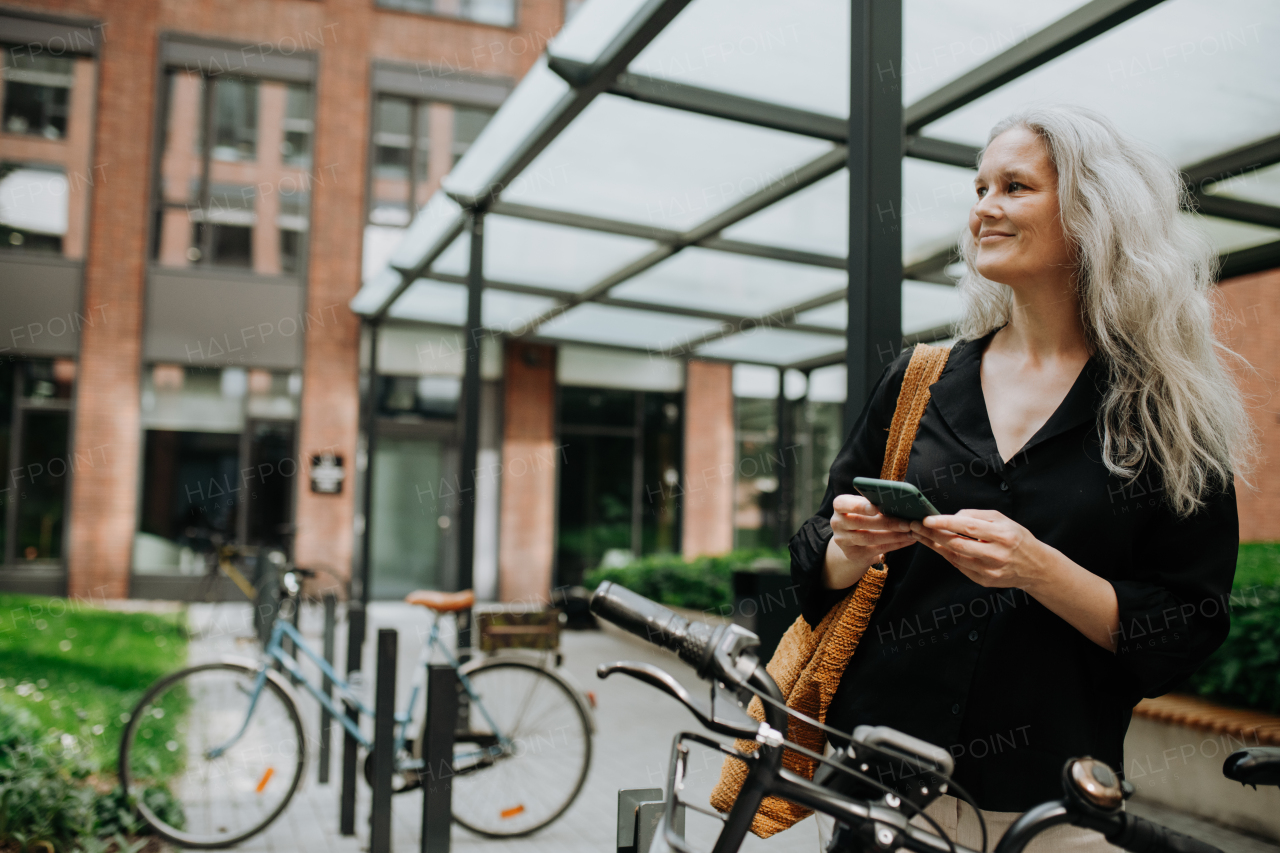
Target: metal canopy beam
1068, 32
1250, 260
1238, 161
1236, 209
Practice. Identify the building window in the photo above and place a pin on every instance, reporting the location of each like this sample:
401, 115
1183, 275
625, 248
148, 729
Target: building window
37, 93
239, 199
498, 12
415, 144
45, 174
219, 463
35, 411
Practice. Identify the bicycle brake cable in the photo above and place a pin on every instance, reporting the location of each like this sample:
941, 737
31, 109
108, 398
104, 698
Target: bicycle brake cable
951, 784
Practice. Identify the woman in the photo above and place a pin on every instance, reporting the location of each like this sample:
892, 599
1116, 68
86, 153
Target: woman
1085, 432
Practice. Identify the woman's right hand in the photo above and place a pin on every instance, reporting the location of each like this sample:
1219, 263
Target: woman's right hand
861, 536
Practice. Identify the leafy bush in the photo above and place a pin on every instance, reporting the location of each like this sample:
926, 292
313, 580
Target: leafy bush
1245, 670
703, 584
48, 793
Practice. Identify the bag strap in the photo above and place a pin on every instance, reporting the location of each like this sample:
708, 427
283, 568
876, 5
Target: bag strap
924, 369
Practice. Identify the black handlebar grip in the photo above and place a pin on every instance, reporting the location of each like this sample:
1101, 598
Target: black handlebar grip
692, 641
1139, 835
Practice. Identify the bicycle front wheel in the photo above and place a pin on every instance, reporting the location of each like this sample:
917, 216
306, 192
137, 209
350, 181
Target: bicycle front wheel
525, 754
208, 762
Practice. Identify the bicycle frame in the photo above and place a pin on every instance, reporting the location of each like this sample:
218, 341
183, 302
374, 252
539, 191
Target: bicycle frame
275, 652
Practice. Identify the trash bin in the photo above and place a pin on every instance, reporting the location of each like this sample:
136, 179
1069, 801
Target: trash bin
766, 602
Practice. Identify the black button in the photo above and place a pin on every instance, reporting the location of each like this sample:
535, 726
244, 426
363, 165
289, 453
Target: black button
1004, 487
973, 635
955, 709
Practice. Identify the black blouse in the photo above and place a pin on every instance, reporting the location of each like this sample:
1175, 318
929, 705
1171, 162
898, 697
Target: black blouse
1008, 686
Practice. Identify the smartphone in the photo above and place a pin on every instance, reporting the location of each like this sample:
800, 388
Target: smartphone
898, 499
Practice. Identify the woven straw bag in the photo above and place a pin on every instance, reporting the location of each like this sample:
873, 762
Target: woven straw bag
809, 662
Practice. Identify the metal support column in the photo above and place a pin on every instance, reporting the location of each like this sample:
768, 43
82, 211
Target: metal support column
470, 424
358, 597
784, 444
874, 335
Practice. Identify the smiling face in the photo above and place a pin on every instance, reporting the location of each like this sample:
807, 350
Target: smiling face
1015, 221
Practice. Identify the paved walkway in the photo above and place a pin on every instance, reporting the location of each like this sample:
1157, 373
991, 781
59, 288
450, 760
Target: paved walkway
635, 726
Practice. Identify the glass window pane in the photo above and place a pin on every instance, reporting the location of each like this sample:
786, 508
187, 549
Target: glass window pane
1228, 235
935, 207
33, 207
190, 490
42, 493
407, 545
942, 39
602, 324
431, 301
734, 284
235, 119
1208, 59
924, 306
816, 219
623, 159
37, 92
772, 346
795, 54
597, 407
392, 153
498, 12
431, 224
298, 127
529, 252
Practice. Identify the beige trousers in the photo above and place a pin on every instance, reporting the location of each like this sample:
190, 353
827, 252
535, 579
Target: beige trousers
958, 820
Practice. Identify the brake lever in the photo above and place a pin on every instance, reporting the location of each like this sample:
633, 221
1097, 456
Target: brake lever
719, 718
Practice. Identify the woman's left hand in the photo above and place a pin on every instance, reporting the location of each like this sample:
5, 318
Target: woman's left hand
1005, 554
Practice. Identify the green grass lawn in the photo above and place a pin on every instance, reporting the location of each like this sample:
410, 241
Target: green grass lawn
1258, 565
79, 669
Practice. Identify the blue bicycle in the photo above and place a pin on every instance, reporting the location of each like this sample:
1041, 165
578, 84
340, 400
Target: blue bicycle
212, 754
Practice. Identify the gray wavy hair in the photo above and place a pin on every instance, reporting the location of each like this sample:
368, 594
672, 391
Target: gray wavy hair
1145, 277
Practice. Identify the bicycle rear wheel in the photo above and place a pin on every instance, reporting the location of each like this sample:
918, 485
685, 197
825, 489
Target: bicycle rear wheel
503, 791
201, 801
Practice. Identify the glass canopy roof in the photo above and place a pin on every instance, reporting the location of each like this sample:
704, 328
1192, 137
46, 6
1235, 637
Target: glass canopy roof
621, 219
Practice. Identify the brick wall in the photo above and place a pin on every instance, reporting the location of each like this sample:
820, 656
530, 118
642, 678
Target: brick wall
1252, 328
709, 458
347, 35
527, 520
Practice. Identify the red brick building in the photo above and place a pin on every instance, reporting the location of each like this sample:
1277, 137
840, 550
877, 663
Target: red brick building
190, 194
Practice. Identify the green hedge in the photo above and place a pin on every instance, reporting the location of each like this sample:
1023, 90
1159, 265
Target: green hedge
706, 583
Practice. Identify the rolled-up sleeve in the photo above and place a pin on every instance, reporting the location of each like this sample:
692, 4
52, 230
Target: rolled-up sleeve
861, 456
1175, 604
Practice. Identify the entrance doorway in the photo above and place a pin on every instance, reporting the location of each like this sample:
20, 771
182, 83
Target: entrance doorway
620, 464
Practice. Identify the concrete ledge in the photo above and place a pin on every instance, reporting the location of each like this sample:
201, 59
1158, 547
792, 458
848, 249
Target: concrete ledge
1174, 753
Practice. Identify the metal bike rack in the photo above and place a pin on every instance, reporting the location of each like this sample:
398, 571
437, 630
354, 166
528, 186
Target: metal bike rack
326, 719
384, 737
640, 817
437, 755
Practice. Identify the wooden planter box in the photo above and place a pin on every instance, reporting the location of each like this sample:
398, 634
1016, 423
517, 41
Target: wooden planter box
1174, 753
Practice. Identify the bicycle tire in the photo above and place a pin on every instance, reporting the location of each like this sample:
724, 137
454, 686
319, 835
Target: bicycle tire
541, 675
132, 787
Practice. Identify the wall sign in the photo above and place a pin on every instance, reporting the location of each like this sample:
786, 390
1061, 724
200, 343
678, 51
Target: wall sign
327, 473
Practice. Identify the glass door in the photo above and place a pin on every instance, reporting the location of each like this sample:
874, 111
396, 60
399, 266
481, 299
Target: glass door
415, 502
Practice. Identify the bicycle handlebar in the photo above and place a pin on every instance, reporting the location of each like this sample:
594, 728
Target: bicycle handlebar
1139, 835
699, 645
694, 642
